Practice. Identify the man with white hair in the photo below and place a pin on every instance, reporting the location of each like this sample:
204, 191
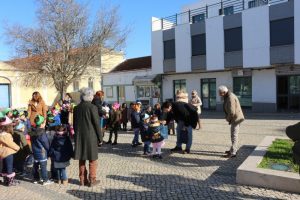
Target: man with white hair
234, 116
87, 137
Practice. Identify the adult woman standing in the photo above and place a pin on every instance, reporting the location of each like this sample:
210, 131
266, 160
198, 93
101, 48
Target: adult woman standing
87, 137
36, 107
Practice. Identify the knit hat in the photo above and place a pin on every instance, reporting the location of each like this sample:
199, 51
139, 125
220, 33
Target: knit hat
50, 117
15, 113
22, 113
116, 106
146, 116
6, 122
39, 120
182, 97
6, 110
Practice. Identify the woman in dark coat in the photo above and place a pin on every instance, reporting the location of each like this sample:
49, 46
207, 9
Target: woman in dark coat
87, 137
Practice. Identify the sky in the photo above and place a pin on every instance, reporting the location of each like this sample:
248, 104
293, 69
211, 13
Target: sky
135, 13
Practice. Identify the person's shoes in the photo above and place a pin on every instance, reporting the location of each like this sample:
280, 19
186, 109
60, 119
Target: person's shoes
186, 151
176, 149
155, 156
230, 156
84, 183
47, 183
115, 143
134, 145
94, 182
160, 157
108, 142
139, 143
147, 153
228, 152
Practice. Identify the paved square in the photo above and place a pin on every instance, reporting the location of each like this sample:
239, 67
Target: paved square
203, 174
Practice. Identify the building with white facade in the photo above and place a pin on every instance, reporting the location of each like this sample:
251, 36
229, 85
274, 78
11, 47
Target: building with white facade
252, 46
131, 80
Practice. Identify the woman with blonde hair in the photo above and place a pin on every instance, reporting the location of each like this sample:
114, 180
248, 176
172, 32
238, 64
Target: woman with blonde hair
36, 106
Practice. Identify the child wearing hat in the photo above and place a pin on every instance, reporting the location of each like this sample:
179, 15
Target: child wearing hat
7, 112
7, 148
61, 151
114, 123
156, 138
146, 135
40, 148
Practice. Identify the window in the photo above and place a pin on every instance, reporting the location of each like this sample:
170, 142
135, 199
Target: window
227, 11
256, 3
169, 49
179, 85
242, 88
4, 95
144, 91
109, 92
233, 39
76, 86
91, 83
122, 92
282, 32
288, 92
198, 18
198, 45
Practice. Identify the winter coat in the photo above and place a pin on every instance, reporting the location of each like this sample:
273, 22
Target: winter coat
185, 112
145, 133
97, 101
154, 129
40, 144
232, 109
196, 101
87, 131
61, 149
115, 119
136, 121
25, 150
56, 121
39, 109
7, 145
124, 115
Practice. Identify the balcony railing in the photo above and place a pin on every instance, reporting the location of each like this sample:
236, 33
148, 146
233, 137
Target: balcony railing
224, 7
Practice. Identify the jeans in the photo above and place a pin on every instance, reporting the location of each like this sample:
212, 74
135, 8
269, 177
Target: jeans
53, 170
147, 146
136, 135
179, 127
8, 163
61, 174
44, 173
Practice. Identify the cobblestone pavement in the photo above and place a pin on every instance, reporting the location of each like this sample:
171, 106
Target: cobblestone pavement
203, 174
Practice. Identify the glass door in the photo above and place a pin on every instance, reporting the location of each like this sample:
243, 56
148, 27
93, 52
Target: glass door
4, 96
242, 88
288, 92
208, 93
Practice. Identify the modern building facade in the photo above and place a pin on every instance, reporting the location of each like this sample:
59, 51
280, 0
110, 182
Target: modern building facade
252, 46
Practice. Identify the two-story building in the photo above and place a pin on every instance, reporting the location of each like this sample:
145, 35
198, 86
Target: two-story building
252, 46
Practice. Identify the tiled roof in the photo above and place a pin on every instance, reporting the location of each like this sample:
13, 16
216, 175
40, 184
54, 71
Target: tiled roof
134, 64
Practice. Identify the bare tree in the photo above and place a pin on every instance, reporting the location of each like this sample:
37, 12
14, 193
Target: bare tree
66, 42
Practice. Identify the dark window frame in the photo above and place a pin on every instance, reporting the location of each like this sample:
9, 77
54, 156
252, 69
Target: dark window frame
200, 16
202, 44
181, 82
229, 10
228, 44
276, 33
169, 49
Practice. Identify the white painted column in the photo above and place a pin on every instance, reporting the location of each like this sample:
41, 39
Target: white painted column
183, 48
256, 37
157, 49
215, 43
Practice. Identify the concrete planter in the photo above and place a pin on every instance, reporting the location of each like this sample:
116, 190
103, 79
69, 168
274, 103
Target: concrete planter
249, 174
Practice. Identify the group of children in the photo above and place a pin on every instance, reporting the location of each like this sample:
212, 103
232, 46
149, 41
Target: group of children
24, 144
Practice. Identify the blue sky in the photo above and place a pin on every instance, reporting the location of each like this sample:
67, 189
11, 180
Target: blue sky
136, 13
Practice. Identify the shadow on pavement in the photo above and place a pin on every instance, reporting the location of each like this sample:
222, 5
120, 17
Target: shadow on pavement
168, 186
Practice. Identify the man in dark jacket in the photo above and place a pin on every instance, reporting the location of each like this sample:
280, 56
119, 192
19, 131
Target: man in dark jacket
87, 137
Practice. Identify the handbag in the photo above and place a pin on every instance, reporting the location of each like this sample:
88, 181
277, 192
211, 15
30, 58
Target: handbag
184, 136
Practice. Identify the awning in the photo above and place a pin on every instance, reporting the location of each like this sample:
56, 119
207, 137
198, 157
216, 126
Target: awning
143, 80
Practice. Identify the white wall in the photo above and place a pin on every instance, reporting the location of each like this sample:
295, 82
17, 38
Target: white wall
264, 86
157, 50
123, 78
183, 48
156, 24
256, 37
129, 93
297, 31
215, 43
193, 82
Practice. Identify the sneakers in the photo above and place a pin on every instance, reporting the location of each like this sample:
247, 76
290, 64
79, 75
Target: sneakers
186, 151
115, 143
47, 183
230, 155
176, 149
157, 156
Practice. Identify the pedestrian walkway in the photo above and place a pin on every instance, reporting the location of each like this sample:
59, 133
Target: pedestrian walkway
203, 174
